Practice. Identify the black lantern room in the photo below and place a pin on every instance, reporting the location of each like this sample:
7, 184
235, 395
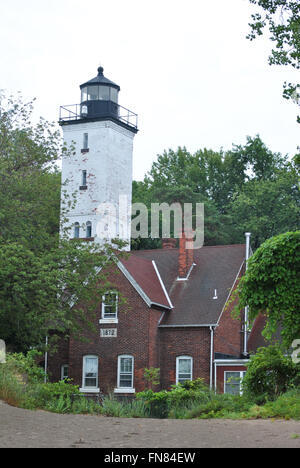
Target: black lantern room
99, 97
99, 101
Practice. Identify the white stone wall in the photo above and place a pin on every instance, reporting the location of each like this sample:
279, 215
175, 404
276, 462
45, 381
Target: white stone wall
109, 178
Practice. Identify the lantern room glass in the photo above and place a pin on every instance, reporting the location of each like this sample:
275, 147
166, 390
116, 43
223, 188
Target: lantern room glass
99, 93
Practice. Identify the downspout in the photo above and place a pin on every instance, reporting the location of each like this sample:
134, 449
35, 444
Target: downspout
246, 323
211, 356
46, 361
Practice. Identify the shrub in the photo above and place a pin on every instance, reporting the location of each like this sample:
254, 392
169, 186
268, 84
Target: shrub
181, 396
124, 409
270, 373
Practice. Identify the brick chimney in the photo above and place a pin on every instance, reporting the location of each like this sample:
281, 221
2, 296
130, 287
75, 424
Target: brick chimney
169, 243
186, 255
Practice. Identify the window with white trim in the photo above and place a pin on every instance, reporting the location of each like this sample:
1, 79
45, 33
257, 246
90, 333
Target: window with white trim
90, 373
110, 305
233, 382
125, 371
184, 369
64, 372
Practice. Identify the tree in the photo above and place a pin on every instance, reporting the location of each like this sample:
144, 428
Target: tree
246, 188
267, 207
283, 19
29, 177
47, 285
271, 286
50, 293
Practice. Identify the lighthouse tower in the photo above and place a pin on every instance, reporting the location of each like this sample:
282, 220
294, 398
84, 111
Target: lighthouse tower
99, 170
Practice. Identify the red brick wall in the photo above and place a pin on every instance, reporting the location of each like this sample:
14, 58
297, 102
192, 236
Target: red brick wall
220, 375
136, 335
228, 336
194, 342
55, 361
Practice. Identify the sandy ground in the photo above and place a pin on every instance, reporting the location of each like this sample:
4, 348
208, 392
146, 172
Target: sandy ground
23, 428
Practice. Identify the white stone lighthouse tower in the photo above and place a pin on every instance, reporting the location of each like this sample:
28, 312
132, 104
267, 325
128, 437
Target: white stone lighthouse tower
100, 171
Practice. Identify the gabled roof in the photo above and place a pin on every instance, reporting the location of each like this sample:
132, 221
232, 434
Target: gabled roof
216, 268
143, 275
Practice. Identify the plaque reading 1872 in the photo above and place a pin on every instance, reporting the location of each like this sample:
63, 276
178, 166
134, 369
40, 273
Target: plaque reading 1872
108, 332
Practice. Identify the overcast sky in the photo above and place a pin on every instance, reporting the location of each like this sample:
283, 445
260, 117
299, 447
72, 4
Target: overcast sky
185, 67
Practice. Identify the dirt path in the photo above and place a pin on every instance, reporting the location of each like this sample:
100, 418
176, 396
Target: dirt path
23, 428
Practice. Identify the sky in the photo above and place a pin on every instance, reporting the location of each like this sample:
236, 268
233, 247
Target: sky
186, 68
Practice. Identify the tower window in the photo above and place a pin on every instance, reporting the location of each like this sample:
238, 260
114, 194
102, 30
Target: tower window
83, 178
89, 229
76, 231
85, 141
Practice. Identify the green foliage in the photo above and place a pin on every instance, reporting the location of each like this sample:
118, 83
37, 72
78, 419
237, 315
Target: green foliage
282, 17
193, 400
270, 374
246, 188
124, 409
26, 365
41, 278
271, 286
161, 403
152, 375
22, 384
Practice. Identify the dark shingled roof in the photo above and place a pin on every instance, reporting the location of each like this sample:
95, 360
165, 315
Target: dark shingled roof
216, 269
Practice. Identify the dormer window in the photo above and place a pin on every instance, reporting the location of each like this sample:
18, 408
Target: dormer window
109, 312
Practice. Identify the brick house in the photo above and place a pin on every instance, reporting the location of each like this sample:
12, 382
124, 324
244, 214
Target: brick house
175, 318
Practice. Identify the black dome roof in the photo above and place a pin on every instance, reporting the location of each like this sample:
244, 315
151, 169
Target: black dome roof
100, 80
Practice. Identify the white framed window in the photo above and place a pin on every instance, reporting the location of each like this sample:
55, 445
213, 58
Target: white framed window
109, 312
90, 374
76, 230
233, 382
184, 369
125, 374
64, 372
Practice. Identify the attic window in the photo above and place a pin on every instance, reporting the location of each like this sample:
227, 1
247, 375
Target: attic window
109, 307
